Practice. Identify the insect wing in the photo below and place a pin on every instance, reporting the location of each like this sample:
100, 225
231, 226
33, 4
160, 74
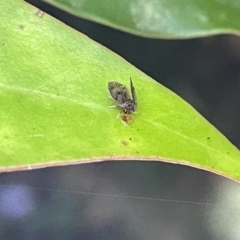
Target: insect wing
134, 96
118, 92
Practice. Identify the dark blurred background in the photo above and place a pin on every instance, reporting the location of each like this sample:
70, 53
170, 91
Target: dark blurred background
139, 200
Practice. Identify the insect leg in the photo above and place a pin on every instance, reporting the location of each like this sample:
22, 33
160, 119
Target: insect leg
124, 122
118, 115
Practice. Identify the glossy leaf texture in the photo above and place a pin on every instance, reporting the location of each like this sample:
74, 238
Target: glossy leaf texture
54, 104
160, 18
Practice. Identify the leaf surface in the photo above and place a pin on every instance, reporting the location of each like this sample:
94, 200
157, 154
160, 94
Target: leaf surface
160, 18
55, 107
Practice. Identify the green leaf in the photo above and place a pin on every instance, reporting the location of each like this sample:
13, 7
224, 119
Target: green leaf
55, 108
160, 18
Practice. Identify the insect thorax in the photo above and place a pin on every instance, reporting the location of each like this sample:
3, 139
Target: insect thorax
129, 106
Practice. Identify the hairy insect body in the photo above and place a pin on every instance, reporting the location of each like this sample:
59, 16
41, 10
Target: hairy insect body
119, 93
129, 106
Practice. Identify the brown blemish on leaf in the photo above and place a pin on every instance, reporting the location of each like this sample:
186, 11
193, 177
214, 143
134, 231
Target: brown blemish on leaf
20, 27
125, 143
126, 118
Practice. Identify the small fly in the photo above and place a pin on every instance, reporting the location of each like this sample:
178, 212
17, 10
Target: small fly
119, 93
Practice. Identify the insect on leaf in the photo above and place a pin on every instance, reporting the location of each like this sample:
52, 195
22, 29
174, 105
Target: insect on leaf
122, 98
